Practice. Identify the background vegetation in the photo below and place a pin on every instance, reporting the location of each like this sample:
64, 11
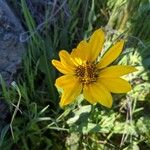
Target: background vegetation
36, 121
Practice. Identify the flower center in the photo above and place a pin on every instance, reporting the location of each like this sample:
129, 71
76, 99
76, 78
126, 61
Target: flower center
87, 73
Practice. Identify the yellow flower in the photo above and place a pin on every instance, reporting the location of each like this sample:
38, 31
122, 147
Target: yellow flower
84, 74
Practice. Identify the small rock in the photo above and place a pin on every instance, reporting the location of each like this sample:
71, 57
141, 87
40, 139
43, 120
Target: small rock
11, 49
11, 52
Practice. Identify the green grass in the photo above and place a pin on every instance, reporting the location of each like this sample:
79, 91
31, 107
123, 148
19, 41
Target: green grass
37, 120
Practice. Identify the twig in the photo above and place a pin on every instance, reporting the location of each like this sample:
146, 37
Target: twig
16, 107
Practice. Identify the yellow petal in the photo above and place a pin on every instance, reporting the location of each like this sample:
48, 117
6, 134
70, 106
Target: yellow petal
98, 93
81, 52
116, 85
70, 93
96, 43
65, 81
63, 69
90, 51
65, 59
87, 92
116, 71
111, 54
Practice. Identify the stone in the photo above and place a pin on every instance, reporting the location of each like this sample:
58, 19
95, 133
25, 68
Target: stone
11, 52
11, 49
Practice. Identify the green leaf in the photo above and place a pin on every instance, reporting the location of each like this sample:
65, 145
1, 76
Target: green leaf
3, 133
80, 115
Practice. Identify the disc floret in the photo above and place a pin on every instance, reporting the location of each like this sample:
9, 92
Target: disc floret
87, 73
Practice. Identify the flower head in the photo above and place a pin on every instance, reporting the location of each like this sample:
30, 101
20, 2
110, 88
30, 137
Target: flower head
84, 74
